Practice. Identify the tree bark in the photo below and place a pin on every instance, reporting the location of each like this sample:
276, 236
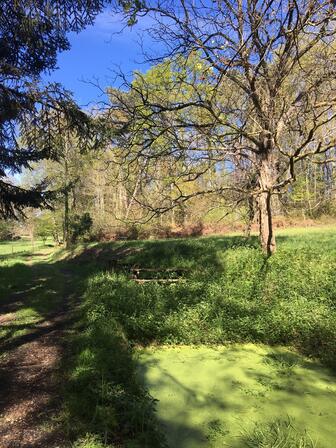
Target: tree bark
250, 217
267, 237
66, 233
268, 176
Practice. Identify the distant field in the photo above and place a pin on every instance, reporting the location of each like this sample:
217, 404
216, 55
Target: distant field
22, 245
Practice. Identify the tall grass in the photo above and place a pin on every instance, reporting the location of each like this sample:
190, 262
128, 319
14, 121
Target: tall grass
231, 293
277, 434
238, 296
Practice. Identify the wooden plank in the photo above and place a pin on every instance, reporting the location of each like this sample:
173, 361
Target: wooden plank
159, 270
135, 268
157, 280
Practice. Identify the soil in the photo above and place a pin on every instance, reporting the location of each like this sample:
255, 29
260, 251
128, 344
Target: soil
30, 381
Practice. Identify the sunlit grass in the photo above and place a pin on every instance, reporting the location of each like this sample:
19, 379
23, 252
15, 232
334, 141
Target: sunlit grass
19, 247
29, 286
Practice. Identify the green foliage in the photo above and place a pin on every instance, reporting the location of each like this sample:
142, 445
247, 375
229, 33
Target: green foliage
231, 293
104, 394
104, 399
80, 226
89, 441
32, 35
44, 227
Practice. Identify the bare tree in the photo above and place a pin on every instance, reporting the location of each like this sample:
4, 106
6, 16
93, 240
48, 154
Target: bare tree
265, 91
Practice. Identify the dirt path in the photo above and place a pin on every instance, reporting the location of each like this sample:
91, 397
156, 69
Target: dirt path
29, 376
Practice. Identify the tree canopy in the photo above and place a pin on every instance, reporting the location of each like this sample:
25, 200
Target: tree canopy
237, 104
271, 93
32, 33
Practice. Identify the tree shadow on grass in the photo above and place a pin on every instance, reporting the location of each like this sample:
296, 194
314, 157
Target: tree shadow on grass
179, 430
42, 291
101, 387
197, 253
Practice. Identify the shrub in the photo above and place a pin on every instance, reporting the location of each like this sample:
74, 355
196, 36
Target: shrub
90, 441
80, 227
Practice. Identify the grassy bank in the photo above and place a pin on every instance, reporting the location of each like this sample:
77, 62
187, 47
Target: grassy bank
229, 294
31, 286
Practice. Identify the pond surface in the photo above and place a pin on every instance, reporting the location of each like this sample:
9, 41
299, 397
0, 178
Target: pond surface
234, 396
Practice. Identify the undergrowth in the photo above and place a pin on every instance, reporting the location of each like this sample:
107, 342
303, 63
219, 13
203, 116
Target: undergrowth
230, 293
105, 402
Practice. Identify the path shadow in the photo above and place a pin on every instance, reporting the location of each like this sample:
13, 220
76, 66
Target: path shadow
37, 301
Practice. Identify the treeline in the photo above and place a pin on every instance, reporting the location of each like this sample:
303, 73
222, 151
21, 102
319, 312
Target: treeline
154, 169
233, 123
102, 198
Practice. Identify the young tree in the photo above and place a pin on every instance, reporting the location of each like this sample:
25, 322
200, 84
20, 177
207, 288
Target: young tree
271, 67
66, 172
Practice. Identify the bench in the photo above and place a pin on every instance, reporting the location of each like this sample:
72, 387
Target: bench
145, 275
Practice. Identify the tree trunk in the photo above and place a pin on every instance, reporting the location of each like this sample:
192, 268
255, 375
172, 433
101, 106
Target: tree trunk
66, 236
268, 178
66, 233
267, 237
250, 217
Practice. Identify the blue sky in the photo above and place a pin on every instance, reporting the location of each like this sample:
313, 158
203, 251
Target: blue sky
95, 53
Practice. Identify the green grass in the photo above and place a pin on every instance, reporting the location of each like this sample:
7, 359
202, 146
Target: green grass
30, 286
19, 247
34, 283
231, 294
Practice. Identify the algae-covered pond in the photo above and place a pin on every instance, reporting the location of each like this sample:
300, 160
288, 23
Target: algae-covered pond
241, 396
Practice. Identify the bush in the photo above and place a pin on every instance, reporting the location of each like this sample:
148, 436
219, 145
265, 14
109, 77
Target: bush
90, 441
80, 227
